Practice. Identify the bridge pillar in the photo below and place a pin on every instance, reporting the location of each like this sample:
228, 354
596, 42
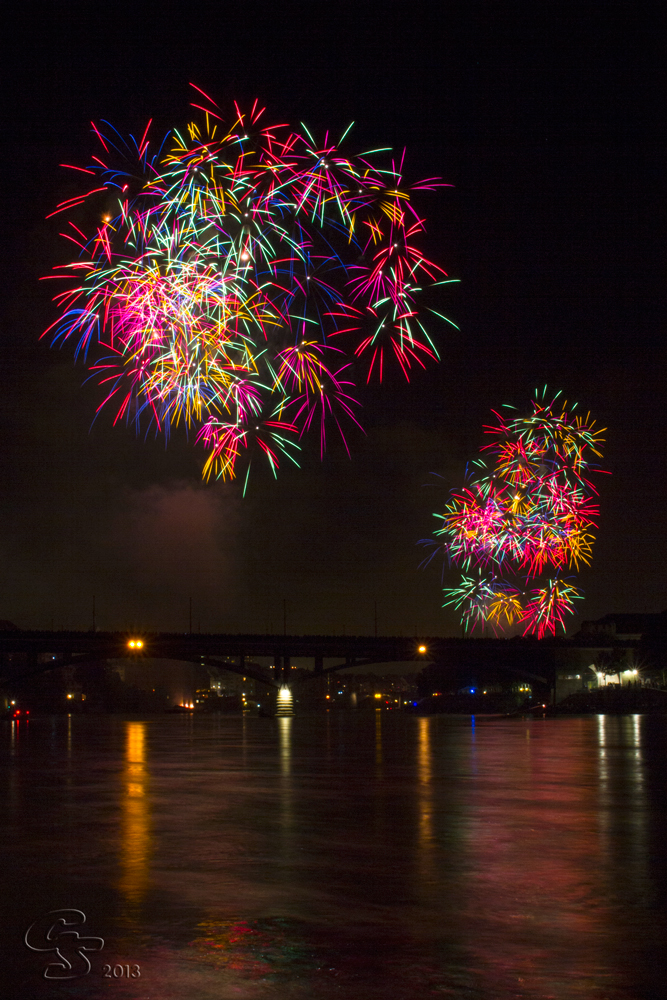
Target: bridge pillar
278, 667
319, 664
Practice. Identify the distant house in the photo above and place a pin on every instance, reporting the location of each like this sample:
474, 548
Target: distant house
625, 627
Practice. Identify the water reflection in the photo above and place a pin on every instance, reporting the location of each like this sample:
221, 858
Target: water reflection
536, 887
363, 855
136, 837
286, 814
623, 805
266, 949
285, 739
425, 832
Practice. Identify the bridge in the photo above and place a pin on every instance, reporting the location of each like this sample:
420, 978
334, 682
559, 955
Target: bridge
24, 654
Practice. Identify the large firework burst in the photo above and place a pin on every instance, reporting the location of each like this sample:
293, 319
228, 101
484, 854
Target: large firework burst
240, 279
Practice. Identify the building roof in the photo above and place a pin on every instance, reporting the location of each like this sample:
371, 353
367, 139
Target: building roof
627, 624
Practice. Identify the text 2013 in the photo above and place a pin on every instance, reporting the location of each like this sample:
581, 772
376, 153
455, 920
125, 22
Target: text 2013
121, 971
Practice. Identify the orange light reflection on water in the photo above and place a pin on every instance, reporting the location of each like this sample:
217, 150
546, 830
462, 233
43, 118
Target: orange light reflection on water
136, 837
425, 839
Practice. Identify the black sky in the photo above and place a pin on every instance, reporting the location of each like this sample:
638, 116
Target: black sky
547, 120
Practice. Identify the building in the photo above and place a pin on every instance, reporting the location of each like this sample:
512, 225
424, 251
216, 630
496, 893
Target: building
625, 627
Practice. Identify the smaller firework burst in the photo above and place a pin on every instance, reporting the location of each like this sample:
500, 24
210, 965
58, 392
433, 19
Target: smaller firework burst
526, 518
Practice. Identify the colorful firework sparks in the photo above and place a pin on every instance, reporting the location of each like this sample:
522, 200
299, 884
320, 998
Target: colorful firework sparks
239, 278
526, 517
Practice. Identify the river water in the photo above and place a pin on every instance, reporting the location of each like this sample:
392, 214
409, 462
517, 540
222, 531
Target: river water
343, 855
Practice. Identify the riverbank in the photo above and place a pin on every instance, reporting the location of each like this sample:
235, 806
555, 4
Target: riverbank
493, 703
609, 700
613, 700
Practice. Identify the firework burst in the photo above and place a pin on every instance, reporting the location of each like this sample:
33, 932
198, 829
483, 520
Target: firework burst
526, 517
239, 278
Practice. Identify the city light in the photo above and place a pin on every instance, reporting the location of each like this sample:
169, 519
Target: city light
422, 649
285, 703
135, 643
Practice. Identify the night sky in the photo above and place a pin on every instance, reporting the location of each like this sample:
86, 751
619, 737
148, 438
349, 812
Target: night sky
546, 118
